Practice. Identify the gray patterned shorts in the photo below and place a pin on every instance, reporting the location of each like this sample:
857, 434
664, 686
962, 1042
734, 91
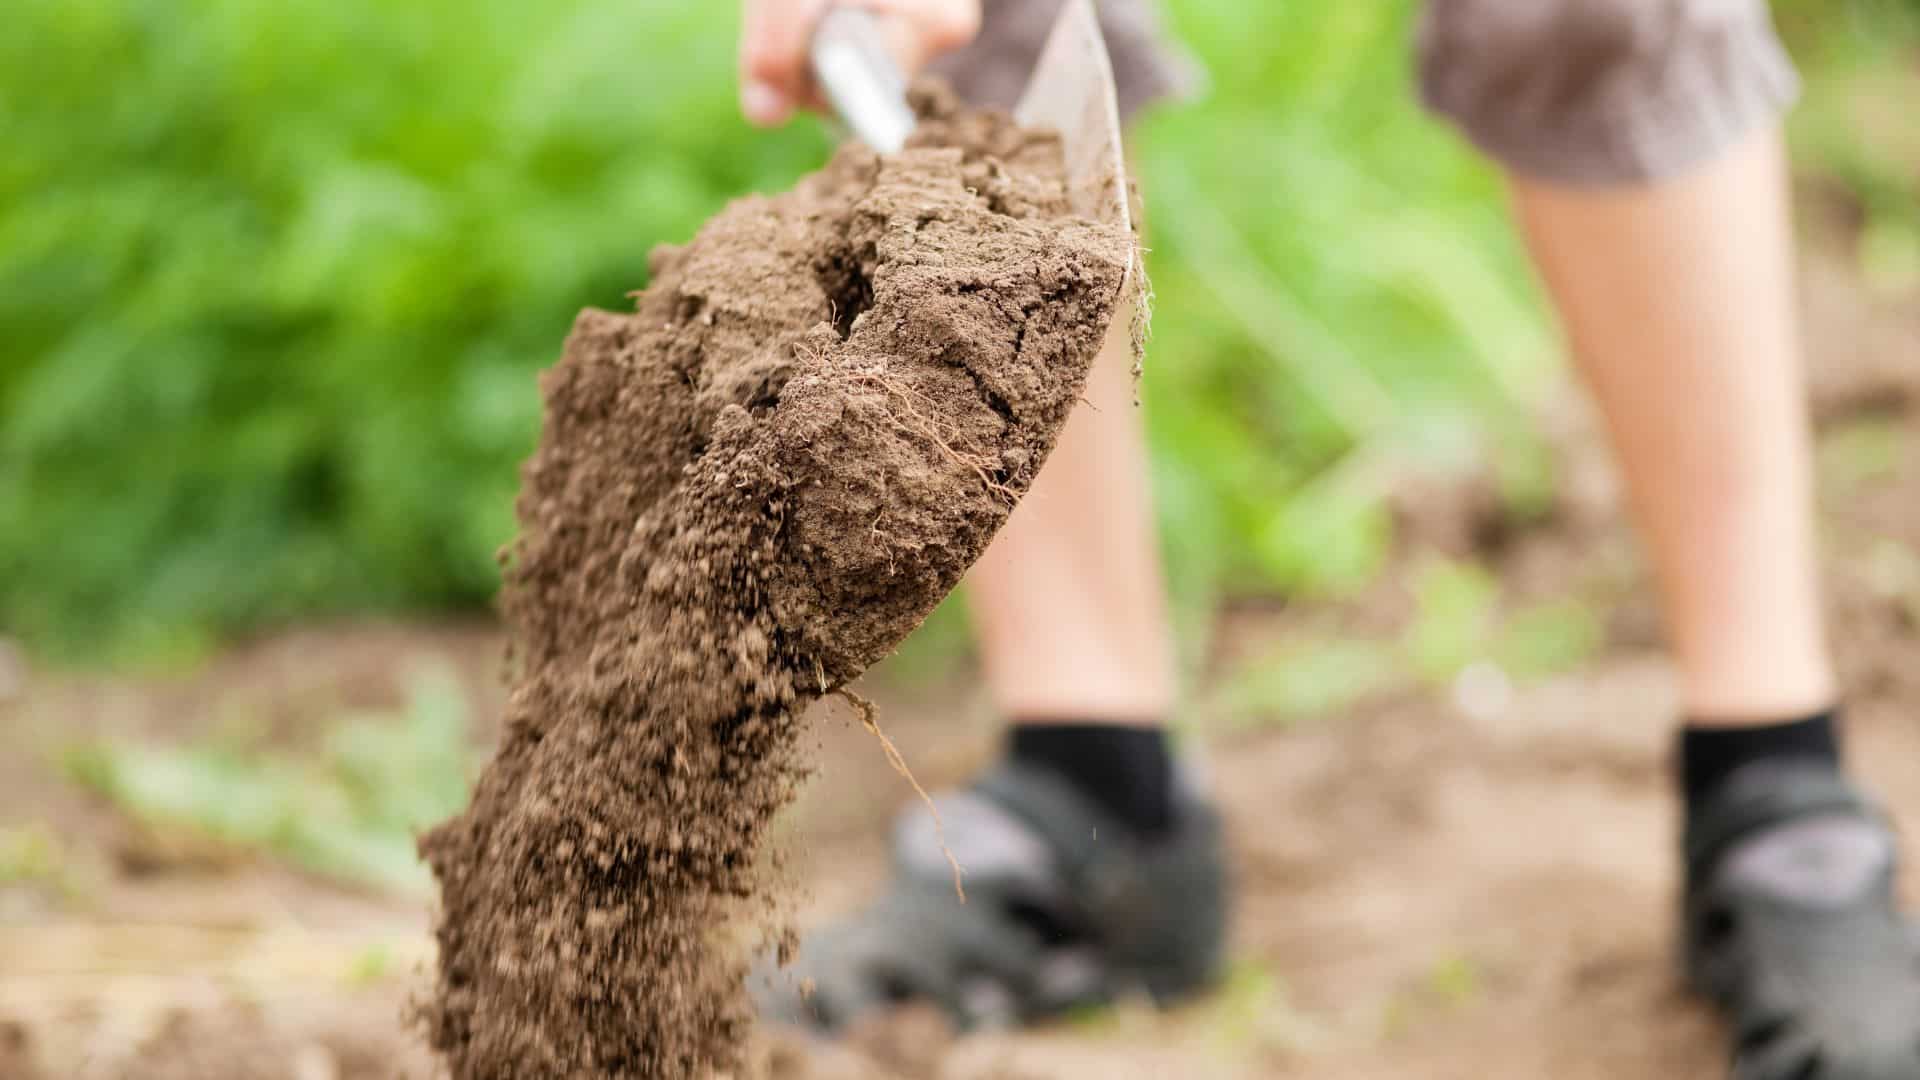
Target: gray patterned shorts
1580, 91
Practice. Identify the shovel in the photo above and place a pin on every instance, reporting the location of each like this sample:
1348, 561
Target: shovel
1070, 92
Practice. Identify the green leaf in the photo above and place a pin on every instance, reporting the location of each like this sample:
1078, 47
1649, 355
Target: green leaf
351, 811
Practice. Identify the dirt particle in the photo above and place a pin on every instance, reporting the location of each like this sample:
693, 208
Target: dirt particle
745, 493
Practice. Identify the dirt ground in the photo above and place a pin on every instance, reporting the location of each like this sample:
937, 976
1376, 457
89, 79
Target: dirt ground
1441, 881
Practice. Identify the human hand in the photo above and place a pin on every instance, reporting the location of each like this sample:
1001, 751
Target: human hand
774, 78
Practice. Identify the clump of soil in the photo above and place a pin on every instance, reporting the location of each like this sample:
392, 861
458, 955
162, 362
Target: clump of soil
746, 493
16, 1051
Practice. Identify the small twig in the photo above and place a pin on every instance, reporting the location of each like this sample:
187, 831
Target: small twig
870, 719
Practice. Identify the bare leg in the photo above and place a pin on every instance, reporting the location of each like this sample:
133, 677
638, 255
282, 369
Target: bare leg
1678, 300
1069, 602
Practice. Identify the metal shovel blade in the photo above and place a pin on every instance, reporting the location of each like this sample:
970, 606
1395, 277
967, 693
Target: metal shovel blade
1071, 91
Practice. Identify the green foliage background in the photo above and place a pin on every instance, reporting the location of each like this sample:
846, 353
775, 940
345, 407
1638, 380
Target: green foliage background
276, 276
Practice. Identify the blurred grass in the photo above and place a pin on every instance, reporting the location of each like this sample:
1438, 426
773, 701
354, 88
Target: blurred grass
1459, 633
30, 854
349, 811
1336, 287
275, 279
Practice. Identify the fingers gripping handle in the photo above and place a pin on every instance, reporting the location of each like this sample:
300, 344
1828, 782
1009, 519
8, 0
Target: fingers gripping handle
860, 78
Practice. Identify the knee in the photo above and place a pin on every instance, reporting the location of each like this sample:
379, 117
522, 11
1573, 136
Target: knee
1603, 91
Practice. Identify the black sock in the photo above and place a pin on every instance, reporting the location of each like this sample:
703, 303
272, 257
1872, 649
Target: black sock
1708, 755
1127, 769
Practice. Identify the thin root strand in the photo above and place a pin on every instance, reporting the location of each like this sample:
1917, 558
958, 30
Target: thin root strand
870, 719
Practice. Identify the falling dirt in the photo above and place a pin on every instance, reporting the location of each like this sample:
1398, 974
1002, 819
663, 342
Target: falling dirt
746, 493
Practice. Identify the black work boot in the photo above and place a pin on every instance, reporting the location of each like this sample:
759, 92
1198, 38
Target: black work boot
1790, 927
1065, 907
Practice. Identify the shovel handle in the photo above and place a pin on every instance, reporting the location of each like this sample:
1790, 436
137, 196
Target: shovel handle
861, 81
